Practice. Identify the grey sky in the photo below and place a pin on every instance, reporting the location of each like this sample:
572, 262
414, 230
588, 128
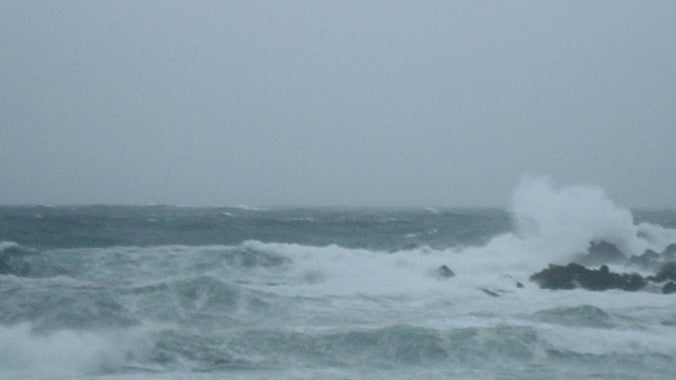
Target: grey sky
334, 103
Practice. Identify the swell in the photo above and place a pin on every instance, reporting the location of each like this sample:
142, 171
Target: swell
106, 226
97, 263
60, 303
201, 302
166, 348
18, 260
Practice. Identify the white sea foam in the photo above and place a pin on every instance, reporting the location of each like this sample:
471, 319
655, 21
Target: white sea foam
317, 290
65, 353
611, 341
551, 226
249, 208
565, 221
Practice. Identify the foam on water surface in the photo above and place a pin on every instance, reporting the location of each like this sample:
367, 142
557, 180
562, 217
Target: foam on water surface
260, 308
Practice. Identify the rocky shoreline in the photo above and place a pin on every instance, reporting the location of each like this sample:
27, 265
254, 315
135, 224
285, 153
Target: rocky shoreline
580, 273
576, 275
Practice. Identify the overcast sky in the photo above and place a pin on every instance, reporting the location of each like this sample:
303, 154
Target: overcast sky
352, 103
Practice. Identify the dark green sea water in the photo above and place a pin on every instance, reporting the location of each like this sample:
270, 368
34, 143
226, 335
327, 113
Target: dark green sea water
206, 293
105, 226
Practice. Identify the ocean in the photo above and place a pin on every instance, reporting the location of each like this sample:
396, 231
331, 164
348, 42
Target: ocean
164, 292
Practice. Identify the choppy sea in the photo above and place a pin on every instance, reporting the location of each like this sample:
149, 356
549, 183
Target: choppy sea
163, 292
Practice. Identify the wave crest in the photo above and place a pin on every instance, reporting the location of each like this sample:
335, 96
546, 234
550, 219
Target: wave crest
566, 221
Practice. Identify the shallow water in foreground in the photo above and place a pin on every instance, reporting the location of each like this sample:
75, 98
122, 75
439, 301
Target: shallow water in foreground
175, 293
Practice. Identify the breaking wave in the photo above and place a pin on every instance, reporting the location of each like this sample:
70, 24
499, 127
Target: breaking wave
347, 311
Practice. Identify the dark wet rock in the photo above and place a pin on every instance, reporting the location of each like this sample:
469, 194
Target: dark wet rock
650, 254
519, 285
558, 277
445, 272
490, 293
669, 288
648, 260
603, 253
666, 272
669, 253
574, 275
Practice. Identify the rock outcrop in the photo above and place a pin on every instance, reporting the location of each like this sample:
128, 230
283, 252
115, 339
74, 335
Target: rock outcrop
669, 253
669, 288
667, 272
603, 253
649, 260
575, 275
444, 272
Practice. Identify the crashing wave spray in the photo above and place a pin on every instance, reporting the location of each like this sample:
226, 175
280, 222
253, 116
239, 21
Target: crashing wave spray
564, 222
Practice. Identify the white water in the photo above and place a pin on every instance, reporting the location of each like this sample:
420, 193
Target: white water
334, 291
